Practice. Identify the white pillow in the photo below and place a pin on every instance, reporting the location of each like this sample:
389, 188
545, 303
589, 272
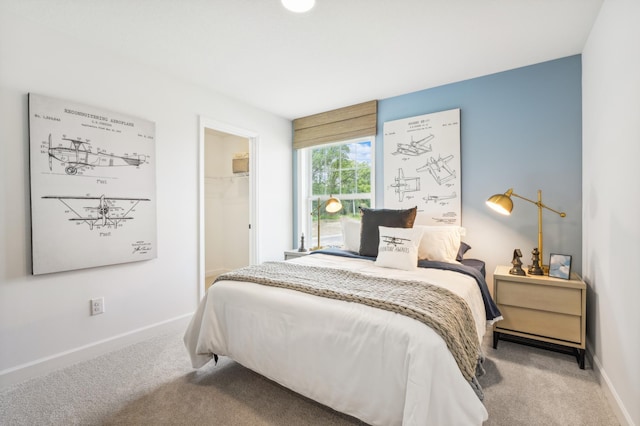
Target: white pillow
398, 248
440, 243
351, 233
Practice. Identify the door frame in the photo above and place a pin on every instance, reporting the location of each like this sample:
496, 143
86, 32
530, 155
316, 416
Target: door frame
208, 123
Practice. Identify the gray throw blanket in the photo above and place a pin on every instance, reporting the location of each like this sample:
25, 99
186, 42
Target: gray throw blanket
445, 312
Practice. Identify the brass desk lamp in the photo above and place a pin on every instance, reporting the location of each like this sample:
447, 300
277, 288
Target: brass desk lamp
332, 205
503, 204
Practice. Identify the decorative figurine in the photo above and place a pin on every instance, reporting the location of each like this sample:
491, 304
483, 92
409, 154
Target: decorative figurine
517, 263
535, 268
302, 243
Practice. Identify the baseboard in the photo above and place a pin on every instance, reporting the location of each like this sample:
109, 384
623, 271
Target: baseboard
609, 391
43, 366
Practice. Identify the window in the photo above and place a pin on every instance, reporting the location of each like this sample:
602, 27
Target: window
344, 170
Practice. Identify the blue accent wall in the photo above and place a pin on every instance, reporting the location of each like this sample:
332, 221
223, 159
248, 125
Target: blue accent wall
520, 129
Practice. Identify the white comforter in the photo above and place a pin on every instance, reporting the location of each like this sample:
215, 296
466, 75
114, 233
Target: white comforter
378, 366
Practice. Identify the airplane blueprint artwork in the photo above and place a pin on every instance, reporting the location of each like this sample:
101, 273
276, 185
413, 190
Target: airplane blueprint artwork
93, 189
99, 212
414, 147
403, 184
422, 166
78, 157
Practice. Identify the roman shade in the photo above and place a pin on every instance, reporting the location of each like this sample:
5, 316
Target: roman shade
335, 126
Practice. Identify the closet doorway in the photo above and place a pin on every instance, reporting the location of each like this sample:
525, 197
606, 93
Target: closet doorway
227, 199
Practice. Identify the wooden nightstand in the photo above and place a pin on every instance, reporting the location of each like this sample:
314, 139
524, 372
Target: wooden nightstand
540, 308
290, 254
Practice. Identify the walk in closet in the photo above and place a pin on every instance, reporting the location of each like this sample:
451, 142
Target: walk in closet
227, 203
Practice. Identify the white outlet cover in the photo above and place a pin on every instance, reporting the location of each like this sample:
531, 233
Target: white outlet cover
97, 306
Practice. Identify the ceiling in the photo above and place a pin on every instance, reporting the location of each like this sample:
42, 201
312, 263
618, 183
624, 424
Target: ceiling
340, 53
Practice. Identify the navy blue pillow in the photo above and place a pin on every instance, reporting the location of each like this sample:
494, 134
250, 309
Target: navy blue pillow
464, 247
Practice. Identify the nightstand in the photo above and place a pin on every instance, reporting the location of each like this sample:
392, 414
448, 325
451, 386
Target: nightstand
541, 309
290, 254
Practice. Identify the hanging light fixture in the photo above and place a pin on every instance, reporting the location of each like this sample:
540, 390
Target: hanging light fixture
298, 6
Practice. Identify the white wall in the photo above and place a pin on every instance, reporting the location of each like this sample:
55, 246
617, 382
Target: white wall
45, 319
611, 195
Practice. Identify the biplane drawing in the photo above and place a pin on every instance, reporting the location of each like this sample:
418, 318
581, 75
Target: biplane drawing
438, 198
110, 212
404, 184
414, 148
395, 241
439, 169
78, 156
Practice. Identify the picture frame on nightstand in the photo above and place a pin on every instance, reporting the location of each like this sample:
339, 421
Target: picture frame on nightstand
560, 266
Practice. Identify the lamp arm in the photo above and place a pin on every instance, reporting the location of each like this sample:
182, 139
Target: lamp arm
523, 198
325, 204
317, 212
561, 214
539, 204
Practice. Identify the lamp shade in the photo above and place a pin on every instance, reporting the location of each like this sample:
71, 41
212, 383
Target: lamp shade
501, 203
333, 205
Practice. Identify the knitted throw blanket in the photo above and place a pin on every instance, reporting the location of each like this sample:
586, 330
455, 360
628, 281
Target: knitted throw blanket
445, 312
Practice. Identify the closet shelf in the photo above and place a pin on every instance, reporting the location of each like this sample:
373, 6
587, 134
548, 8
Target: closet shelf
223, 178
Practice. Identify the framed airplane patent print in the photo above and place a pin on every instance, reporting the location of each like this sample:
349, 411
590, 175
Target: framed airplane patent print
422, 166
93, 190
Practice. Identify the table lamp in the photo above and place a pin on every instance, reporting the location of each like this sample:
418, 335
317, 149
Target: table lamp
503, 204
332, 205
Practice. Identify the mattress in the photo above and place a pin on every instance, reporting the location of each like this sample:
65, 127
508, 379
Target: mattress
381, 367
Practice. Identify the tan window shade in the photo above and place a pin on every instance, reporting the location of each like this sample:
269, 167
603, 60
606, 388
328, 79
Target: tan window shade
335, 126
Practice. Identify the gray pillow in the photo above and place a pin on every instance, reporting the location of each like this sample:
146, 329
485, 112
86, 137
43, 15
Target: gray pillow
372, 218
464, 247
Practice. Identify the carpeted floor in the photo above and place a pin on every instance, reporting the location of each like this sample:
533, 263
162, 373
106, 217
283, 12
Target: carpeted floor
152, 383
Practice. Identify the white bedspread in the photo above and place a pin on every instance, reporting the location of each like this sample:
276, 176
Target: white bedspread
378, 366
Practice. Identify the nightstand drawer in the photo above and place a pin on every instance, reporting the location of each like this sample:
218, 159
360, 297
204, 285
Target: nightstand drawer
546, 298
541, 323
541, 308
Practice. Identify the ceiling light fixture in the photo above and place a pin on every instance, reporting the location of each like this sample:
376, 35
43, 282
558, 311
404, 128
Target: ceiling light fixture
298, 6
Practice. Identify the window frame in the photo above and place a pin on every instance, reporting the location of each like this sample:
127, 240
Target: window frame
305, 181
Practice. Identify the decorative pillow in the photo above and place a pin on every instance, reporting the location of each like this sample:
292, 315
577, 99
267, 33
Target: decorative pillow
440, 243
464, 247
398, 248
373, 218
351, 233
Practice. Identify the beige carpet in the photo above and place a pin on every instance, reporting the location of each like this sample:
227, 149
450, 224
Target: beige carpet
152, 383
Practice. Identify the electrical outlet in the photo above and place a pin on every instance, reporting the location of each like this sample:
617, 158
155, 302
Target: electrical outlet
97, 306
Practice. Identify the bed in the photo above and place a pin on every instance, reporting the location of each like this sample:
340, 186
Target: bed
375, 363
